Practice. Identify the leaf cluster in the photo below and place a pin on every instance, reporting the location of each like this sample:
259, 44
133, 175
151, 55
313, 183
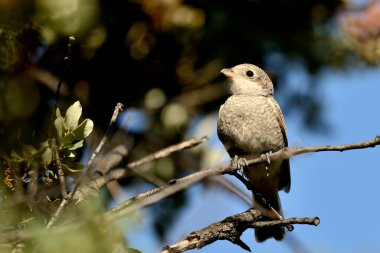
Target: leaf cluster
59, 150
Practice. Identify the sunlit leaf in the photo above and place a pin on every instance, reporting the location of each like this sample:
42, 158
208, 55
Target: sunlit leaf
79, 133
47, 157
58, 113
84, 129
76, 145
72, 116
59, 126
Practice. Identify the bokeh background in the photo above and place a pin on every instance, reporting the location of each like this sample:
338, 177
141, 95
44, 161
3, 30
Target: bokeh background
162, 60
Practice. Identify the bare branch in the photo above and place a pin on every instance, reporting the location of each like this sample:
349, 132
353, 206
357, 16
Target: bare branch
231, 229
118, 109
174, 186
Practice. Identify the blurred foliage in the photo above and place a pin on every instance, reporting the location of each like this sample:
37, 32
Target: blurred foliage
163, 58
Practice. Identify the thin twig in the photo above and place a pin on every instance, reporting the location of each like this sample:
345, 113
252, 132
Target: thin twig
118, 173
61, 174
66, 61
118, 109
65, 201
149, 177
167, 151
233, 188
159, 155
288, 152
231, 229
158, 193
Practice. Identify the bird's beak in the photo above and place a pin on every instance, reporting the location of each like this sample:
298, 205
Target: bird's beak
227, 72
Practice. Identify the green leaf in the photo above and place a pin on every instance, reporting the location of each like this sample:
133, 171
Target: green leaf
72, 116
15, 155
58, 113
84, 129
28, 150
59, 126
45, 143
68, 138
79, 133
74, 167
38, 153
131, 250
47, 156
76, 145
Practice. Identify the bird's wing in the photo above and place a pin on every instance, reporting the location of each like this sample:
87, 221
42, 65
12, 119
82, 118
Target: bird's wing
279, 117
285, 181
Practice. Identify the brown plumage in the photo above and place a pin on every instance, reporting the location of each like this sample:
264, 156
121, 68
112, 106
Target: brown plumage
250, 124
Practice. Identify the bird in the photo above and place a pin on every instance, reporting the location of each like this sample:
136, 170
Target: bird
251, 124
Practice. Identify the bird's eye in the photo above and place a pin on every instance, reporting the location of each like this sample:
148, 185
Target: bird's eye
249, 73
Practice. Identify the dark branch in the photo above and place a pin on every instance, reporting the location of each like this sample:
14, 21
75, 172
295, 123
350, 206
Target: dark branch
231, 229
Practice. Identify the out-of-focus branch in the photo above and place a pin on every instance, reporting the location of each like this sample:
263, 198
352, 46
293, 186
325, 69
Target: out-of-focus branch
61, 174
118, 173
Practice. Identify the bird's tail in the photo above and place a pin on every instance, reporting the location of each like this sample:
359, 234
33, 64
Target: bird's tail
277, 232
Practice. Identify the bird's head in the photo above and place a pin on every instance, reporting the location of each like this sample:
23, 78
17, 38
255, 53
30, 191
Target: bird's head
248, 79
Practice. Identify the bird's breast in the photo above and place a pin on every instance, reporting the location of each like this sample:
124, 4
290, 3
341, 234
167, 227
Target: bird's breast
249, 123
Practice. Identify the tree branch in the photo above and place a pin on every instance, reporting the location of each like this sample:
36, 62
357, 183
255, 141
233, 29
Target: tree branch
288, 152
231, 229
176, 185
118, 173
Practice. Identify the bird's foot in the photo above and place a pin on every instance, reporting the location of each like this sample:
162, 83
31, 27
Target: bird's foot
267, 157
240, 163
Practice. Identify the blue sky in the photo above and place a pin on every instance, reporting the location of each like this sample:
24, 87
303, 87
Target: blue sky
341, 188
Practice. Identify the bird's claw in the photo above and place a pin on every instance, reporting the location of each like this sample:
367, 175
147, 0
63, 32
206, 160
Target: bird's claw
240, 163
267, 157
